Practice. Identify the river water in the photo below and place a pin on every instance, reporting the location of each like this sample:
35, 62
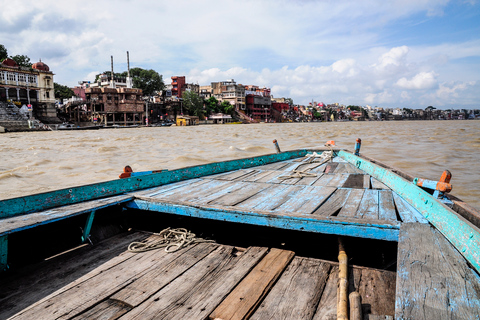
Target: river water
33, 162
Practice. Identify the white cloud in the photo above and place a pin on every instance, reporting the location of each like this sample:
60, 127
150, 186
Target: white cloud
343, 51
421, 81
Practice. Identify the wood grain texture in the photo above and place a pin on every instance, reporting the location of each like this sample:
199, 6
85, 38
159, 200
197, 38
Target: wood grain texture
150, 282
386, 207
327, 307
351, 205
433, 279
334, 203
243, 300
406, 211
297, 292
307, 201
196, 293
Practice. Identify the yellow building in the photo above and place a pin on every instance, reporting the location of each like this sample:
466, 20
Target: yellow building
187, 121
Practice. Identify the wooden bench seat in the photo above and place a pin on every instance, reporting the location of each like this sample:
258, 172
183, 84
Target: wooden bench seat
433, 280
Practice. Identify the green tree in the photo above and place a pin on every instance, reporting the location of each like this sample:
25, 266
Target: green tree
289, 101
430, 108
108, 73
147, 80
22, 60
212, 105
193, 103
3, 53
62, 92
226, 107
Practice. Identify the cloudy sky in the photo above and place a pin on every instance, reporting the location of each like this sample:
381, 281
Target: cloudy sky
397, 53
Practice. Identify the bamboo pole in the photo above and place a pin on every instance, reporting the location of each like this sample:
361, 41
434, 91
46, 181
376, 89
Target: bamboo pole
342, 291
355, 306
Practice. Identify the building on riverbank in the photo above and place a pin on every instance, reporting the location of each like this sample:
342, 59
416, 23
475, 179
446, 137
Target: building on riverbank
32, 87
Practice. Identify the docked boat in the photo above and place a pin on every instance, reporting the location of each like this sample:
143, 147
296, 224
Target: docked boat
319, 233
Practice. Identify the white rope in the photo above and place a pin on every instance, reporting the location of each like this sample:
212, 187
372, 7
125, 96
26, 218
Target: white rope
170, 239
325, 156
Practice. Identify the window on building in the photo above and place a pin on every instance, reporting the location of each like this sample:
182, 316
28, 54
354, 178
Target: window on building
47, 95
2, 76
21, 77
11, 76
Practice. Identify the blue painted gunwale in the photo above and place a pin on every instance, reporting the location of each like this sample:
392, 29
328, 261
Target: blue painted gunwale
344, 227
463, 235
48, 200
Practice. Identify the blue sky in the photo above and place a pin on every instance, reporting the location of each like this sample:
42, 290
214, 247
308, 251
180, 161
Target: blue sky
383, 53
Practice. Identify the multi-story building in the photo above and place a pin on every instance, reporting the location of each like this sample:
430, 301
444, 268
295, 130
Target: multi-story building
112, 101
205, 92
258, 102
178, 86
28, 86
230, 91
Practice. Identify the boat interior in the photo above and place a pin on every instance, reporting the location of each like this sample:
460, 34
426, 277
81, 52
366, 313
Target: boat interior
271, 251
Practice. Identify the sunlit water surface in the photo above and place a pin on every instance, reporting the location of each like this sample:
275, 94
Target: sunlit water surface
43, 161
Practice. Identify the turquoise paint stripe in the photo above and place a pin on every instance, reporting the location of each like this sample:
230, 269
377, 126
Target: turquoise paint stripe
43, 201
326, 226
88, 226
3, 252
461, 234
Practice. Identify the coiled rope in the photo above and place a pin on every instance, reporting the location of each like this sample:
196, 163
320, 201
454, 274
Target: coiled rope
325, 157
170, 239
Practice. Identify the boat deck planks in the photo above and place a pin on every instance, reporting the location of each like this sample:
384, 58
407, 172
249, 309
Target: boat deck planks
436, 274
338, 190
192, 284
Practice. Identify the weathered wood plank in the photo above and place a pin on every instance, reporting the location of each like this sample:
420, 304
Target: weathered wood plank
355, 181
375, 229
406, 211
366, 181
256, 176
108, 309
196, 293
19, 223
190, 191
206, 195
271, 177
334, 203
94, 287
327, 307
281, 197
351, 205
460, 232
368, 207
338, 180
433, 279
38, 281
386, 207
377, 289
274, 166
255, 200
341, 168
151, 192
239, 195
306, 201
330, 167
308, 181
323, 180
297, 292
378, 185
155, 279
243, 300
237, 175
